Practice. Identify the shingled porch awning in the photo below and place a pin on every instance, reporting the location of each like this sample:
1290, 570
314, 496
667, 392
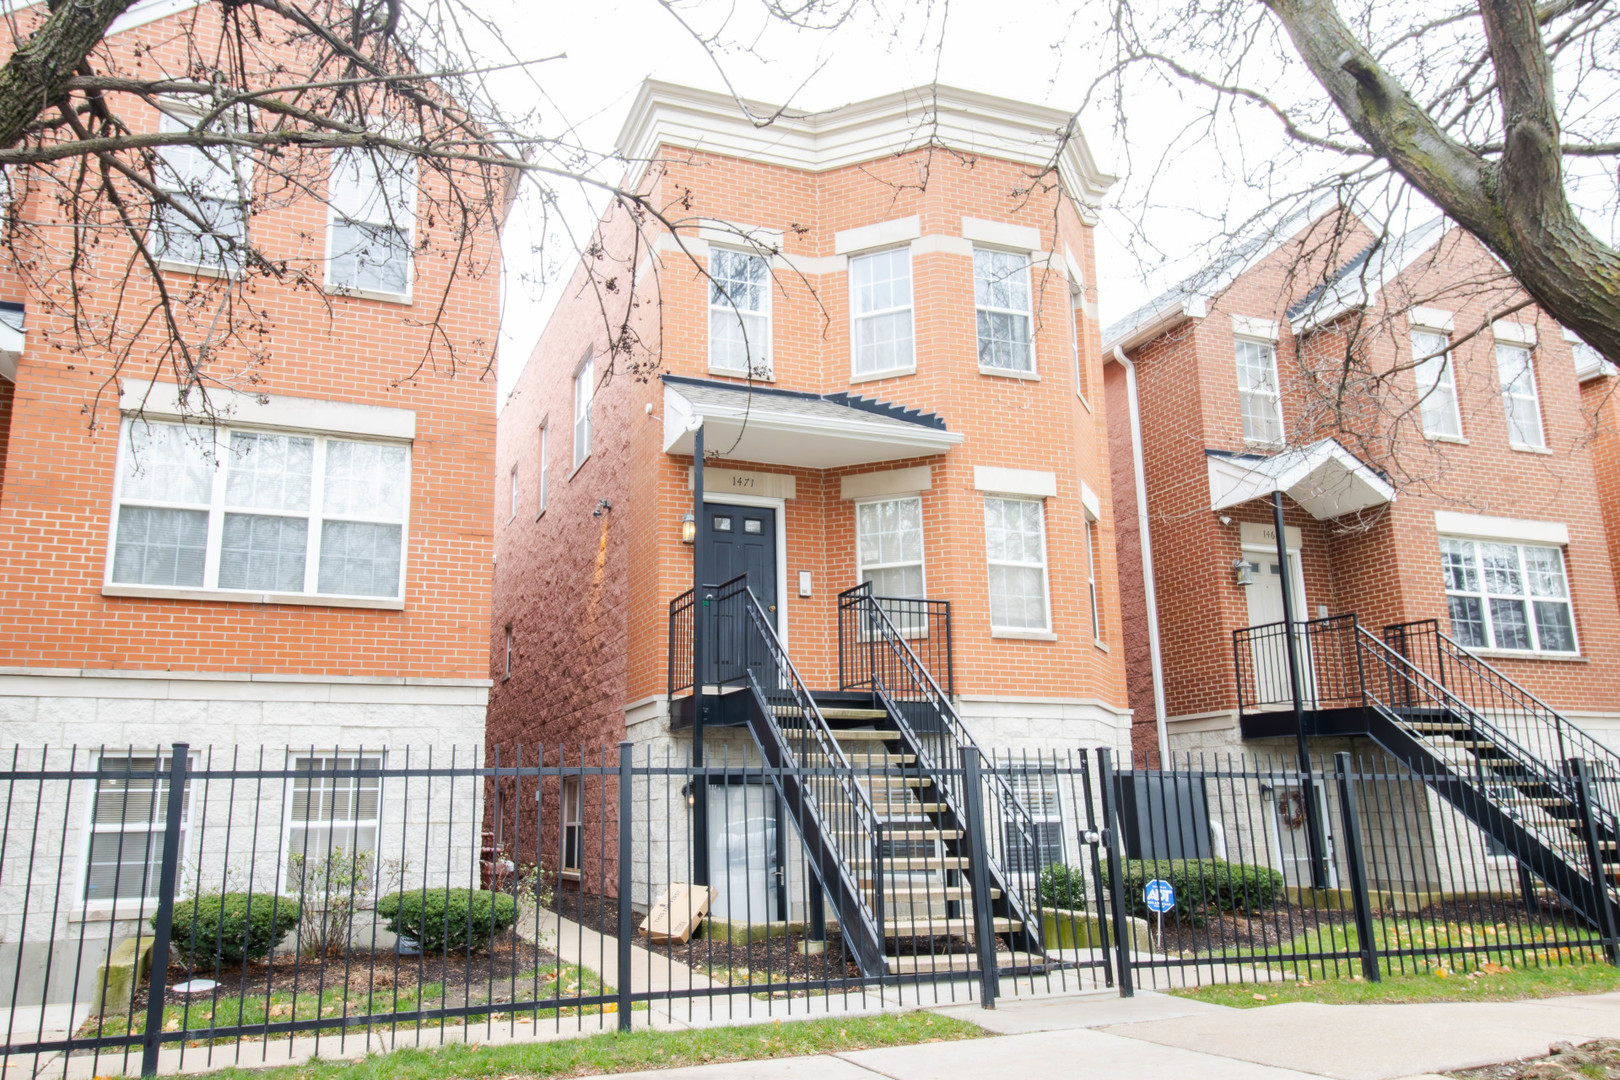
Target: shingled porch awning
789, 427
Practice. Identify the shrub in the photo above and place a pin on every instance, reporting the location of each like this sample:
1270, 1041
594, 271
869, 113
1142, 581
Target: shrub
232, 927
1063, 887
1201, 885
449, 920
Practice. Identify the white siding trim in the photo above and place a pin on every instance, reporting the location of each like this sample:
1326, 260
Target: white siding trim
155, 400
1513, 333
893, 482
1001, 234
1089, 500
1041, 485
1481, 527
881, 234
1428, 318
1250, 327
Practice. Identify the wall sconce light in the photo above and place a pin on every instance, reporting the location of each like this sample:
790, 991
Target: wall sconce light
688, 529
1244, 572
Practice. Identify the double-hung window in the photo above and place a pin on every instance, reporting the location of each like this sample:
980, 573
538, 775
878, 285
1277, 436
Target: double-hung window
584, 393
1091, 577
1436, 384
1515, 364
204, 222
127, 818
1001, 300
1035, 842
889, 546
1258, 391
739, 313
259, 512
573, 824
1015, 543
1508, 596
373, 217
544, 428
333, 812
1081, 381
880, 305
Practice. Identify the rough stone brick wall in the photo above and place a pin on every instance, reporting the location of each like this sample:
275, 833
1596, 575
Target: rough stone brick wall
1384, 566
57, 495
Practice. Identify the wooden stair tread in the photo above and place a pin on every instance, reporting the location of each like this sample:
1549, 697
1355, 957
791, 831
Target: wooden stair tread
960, 961
926, 892
917, 865
850, 734
926, 927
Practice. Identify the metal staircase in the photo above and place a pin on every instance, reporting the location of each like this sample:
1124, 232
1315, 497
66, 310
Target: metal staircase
875, 780
1529, 779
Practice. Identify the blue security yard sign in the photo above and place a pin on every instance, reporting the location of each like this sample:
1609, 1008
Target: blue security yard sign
1159, 895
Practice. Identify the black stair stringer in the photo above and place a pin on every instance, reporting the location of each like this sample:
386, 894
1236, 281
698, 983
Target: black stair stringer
860, 931
1009, 904
1571, 883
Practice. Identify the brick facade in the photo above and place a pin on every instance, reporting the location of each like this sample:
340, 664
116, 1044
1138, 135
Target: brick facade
1383, 564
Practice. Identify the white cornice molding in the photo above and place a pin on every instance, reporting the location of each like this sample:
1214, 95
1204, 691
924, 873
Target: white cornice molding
665, 114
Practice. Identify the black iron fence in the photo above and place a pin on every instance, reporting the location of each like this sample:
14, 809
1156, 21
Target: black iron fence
1413, 886
171, 908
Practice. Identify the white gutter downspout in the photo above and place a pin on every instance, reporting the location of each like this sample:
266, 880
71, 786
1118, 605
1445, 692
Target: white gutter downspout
1150, 595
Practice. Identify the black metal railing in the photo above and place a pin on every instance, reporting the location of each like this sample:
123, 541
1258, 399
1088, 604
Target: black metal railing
1328, 672
1532, 724
925, 625
881, 653
680, 643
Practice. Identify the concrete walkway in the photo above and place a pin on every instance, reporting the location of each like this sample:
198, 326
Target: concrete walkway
1102, 1037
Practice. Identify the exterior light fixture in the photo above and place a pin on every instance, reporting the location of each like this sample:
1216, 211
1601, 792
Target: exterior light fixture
688, 529
1244, 571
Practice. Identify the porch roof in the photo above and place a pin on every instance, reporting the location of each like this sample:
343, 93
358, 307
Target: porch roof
1324, 478
789, 427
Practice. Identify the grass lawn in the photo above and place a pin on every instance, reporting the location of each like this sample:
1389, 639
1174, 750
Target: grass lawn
359, 1000
613, 1053
1489, 982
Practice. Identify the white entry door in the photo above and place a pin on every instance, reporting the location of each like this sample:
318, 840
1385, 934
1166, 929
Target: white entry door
1265, 607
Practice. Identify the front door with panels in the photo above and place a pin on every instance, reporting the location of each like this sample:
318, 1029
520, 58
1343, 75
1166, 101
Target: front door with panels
1265, 608
741, 540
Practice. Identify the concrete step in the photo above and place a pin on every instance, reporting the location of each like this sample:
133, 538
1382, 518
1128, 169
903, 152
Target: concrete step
926, 927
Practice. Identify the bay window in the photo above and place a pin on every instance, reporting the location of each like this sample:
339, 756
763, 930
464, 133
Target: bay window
1436, 384
1508, 596
372, 197
1515, 364
1015, 543
231, 510
880, 307
739, 313
1001, 300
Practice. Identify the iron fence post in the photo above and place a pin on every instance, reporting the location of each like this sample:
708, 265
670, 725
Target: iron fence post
163, 922
1350, 813
1584, 803
626, 847
1116, 877
979, 869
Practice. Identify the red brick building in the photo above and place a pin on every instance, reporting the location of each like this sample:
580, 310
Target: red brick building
304, 563
911, 285
1454, 478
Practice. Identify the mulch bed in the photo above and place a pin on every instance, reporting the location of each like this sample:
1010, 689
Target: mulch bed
782, 960
1564, 1061
486, 976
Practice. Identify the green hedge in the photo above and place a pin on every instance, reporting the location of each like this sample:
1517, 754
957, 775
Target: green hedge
1063, 887
1201, 885
232, 927
449, 920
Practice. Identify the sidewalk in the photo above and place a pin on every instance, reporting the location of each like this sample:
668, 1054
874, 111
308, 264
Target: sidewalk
1152, 1035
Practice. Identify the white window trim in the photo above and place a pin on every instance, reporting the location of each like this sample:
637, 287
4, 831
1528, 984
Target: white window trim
1093, 530
216, 516
1534, 398
921, 563
1534, 625
544, 480
1035, 633
1034, 372
1276, 401
137, 907
910, 309
584, 374
577, 807
513, 494
288, 824
407, 220
1076, 299
1448, 373
507, 674
180, 112
767, 372
1500, 529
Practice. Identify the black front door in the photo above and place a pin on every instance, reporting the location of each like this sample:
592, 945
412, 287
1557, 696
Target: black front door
742, 540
